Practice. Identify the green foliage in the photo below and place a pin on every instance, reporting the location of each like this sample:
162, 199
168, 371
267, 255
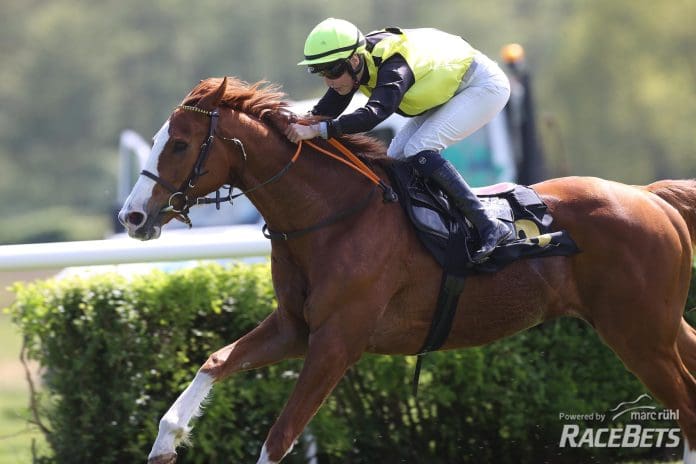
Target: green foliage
497, 404
118, 352
611, 78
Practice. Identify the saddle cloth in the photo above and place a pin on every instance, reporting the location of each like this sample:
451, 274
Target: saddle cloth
452, 239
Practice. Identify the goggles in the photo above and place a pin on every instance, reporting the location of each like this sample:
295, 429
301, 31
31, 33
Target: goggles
329, 70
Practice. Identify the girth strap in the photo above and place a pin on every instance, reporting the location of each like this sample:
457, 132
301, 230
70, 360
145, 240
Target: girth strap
451, 287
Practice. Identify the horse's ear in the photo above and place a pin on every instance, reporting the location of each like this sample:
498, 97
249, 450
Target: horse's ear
213, 100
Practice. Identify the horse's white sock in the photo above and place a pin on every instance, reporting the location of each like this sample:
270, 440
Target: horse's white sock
263, 459
689, 454
173, 427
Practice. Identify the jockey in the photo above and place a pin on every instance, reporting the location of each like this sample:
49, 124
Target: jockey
447, 88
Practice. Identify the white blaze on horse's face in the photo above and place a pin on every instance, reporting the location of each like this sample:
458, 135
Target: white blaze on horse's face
134, 214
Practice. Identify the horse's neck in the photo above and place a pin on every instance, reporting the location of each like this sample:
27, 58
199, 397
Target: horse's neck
312, 189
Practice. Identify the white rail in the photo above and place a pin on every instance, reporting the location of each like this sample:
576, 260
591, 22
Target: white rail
235, 242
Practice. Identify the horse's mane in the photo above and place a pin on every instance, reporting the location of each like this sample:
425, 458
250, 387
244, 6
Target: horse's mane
262, 99
366, 146
253, 99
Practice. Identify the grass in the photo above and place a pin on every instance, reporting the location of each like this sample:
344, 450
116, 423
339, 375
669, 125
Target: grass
16, 433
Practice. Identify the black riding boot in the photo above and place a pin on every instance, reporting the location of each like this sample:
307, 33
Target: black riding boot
491, 231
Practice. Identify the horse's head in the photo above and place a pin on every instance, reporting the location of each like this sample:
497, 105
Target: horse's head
204, 145
184, 164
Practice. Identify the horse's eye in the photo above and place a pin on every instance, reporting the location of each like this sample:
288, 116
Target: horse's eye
180, 146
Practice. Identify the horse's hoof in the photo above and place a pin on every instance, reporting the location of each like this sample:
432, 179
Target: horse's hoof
169, 458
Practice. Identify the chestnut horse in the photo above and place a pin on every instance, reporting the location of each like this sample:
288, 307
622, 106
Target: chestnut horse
365, 283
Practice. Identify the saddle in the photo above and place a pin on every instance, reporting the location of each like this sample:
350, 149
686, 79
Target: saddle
452, 239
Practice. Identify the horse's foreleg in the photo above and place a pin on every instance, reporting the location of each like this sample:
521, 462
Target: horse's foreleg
329, 355
275, 339
174, 426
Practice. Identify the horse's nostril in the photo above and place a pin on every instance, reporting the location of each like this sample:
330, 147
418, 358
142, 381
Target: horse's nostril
135, 218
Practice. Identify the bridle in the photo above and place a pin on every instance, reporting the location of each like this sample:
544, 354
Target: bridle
197, 172
181, 193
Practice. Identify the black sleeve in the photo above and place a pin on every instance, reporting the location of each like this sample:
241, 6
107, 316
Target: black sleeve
394, 78
332, 104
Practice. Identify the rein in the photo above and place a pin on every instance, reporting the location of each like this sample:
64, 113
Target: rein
352, 161
358, 165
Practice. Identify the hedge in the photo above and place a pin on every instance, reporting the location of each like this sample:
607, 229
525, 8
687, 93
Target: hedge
116, 353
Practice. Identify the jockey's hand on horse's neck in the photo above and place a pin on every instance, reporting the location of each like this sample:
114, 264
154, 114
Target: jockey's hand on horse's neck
281, 120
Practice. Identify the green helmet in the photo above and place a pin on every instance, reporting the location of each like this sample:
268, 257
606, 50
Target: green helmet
331, 40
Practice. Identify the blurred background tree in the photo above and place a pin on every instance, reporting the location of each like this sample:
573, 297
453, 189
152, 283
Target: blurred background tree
614, 83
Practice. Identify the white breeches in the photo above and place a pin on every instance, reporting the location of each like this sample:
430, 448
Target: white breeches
479, 98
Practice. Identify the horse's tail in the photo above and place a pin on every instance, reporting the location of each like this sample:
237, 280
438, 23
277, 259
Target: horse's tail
682, 195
